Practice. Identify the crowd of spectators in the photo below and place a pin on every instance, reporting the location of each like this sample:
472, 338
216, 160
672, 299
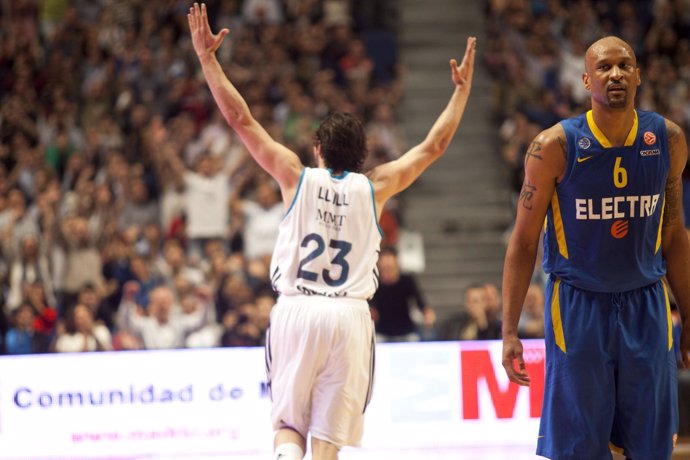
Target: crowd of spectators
131, 217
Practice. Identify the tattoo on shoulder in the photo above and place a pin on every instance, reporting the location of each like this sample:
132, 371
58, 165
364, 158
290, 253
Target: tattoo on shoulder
564, 146
533, 151
526, 194
673, 131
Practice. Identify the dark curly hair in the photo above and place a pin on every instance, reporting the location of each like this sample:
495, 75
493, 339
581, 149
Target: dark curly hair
343, 142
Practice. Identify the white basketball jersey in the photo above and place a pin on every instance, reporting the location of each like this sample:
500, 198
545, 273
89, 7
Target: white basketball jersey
328, 243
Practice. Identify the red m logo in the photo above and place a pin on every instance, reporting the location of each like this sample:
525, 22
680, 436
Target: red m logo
477, 365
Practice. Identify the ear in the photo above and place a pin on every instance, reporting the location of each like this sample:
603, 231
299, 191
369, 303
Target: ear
318, 157
585, 80
639, 79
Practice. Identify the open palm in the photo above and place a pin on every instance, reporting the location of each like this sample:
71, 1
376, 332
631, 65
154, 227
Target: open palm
205, 42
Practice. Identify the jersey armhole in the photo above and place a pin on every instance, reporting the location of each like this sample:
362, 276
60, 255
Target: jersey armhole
294, 198
569, 163
373, 201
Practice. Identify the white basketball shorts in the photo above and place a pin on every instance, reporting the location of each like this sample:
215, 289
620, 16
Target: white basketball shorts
320, 366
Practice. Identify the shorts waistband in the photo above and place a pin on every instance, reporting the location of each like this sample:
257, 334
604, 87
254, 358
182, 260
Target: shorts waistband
319, 300
553, 278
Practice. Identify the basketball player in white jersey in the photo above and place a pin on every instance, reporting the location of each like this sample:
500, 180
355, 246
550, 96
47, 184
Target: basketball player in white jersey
320, 345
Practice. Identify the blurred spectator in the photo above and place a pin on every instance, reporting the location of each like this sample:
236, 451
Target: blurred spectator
45, 313
15, 222
83, 263
140, 209
29, 266
531, 324
162, 328
262, 215
241, 328
393, 301
173, 263
473, 323
493, 302
209, 335
81, 332
207, 202
102, 312
22, 338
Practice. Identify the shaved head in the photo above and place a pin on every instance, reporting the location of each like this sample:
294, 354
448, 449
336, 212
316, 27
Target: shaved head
605, 46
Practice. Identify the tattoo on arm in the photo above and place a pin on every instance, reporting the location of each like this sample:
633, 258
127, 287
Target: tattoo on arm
533, 151
673, 200
526, 195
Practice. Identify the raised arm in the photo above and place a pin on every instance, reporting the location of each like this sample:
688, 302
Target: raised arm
674, 239
395, 176
278, 161
544, 166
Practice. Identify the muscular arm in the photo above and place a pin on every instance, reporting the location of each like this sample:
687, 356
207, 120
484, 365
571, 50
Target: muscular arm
278, 161
395, 176
544, 165
674, 239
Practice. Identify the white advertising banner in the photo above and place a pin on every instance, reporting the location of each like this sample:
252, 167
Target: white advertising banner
215, 401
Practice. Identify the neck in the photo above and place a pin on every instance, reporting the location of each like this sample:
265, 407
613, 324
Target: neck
614, 123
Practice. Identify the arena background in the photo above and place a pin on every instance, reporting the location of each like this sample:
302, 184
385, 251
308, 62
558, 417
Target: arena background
103, 113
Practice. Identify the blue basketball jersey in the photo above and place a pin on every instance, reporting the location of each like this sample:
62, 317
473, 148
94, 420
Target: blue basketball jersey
603, 227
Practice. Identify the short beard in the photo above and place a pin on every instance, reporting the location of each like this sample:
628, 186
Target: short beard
618, 103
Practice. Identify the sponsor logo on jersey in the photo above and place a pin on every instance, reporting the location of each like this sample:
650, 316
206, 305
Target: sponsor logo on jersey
649, 138
581, 159
619, 229
650, 153
584, 143
616, 207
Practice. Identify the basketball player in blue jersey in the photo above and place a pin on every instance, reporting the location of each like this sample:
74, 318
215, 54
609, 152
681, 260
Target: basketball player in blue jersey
320, 345
608, 185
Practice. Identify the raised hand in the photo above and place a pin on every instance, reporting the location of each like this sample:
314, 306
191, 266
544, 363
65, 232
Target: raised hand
462, 74
205, 42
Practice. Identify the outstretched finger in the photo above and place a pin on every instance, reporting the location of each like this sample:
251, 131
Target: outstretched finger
220, 37
197, 12
468, 59
194, 15
204, 15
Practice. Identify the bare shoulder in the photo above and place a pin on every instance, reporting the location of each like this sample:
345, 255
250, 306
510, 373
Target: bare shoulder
675, 133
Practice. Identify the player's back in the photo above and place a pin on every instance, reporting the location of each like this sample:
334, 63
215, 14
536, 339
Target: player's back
329, 239
603, 229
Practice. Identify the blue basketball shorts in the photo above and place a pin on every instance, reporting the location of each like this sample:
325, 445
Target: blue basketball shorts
611, 376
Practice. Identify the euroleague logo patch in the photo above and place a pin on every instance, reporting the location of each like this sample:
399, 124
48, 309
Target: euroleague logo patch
649, 138
619, 229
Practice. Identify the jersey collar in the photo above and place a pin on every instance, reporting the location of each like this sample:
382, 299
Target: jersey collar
603, 140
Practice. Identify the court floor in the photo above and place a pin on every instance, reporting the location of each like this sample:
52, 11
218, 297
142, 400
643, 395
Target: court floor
682, 452
475, 453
